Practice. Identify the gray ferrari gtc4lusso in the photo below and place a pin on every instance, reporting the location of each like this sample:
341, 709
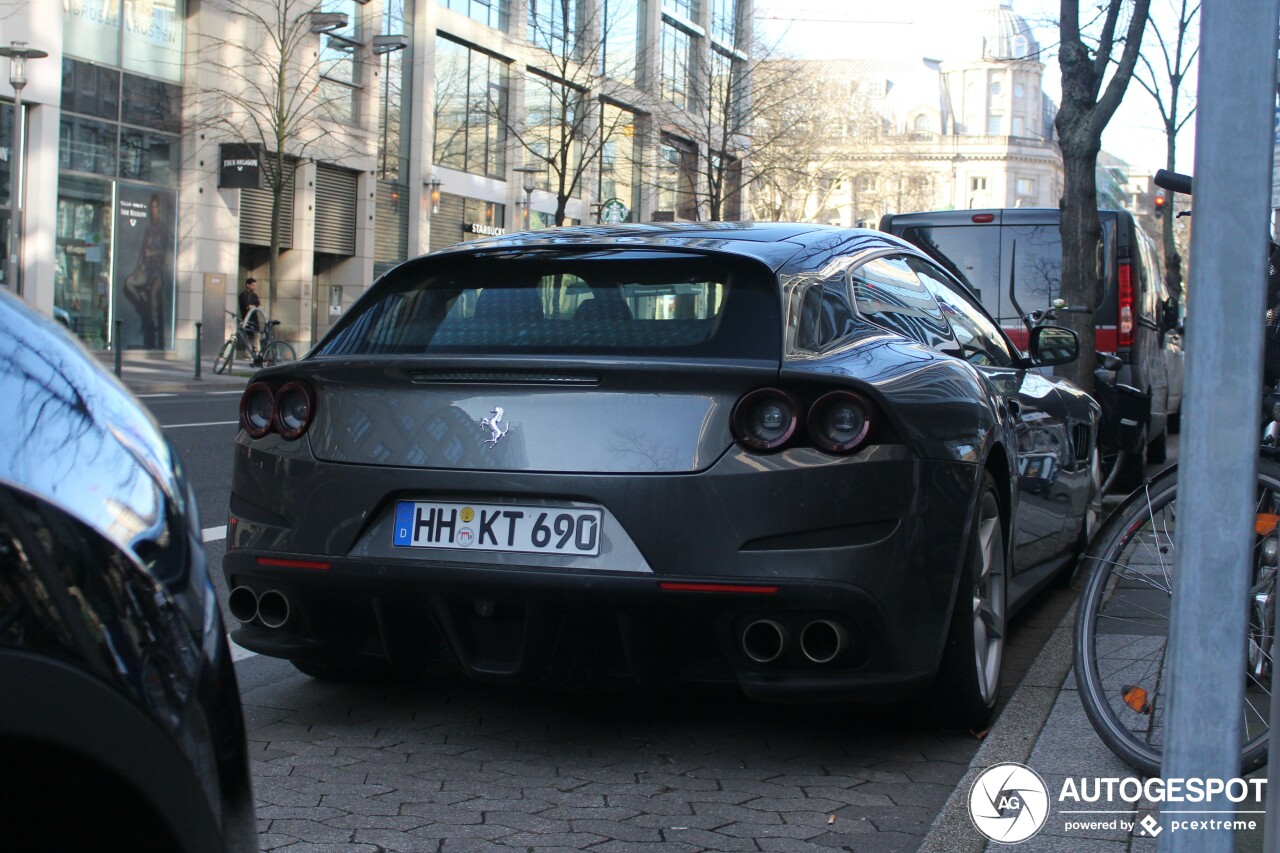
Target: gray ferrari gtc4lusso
797, 458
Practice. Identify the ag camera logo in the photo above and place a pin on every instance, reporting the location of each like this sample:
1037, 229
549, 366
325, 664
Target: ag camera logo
1009, 803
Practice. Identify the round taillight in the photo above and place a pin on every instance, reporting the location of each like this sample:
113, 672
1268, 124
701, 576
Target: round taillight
255, 409
295, 406
765, 419
839, 421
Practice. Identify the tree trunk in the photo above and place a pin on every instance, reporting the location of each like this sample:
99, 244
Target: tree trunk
1081, 235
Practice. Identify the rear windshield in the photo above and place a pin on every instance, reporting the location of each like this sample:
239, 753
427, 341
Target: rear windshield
625, 303
986, 257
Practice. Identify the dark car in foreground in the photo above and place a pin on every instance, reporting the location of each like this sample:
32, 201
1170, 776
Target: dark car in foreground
120, 719
786, 457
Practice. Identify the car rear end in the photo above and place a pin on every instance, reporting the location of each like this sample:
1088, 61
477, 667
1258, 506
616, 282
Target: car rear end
569, 463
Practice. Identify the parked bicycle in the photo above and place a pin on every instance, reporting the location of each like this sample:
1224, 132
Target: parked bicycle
1122, 620
269, 351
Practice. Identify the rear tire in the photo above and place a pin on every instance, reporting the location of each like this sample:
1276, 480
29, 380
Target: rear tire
968, 683
222, 361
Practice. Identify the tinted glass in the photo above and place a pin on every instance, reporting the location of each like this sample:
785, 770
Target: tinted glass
888, 293
979, 339
631, 303
90, 89
152, 104
87, 146
151, 157
969, 252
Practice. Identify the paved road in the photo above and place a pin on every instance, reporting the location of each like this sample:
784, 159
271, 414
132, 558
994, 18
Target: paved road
443, 764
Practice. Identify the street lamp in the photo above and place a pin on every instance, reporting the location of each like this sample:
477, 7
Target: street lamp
527, 172
434, 184
18, 54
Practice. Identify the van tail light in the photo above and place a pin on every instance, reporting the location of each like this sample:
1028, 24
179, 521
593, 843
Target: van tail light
1125, 337
295, 407
840, 421
257, 406
765, 419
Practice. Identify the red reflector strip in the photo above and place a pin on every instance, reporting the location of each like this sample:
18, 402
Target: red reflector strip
293, 564
716, 587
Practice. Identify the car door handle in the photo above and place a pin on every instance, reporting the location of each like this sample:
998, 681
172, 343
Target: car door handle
1015, 408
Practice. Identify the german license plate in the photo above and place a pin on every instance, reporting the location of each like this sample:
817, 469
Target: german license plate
497, 527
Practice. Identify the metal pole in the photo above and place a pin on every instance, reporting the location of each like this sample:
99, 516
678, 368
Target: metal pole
1214, 534
118, 344
198, 325
15, 163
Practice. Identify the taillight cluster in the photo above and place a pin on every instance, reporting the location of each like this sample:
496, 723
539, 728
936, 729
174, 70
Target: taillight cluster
1125, 306
287, 408
768, 419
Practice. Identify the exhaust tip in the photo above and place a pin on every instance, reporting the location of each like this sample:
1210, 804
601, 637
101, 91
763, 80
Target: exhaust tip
273, 608
822, 640
243, 603
764, 641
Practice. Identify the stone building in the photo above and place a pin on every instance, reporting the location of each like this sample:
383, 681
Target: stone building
149, 194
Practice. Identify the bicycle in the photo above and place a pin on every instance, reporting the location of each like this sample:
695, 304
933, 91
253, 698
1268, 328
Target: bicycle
1122, 619
271, 351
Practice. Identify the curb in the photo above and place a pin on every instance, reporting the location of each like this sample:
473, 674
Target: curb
1012, 738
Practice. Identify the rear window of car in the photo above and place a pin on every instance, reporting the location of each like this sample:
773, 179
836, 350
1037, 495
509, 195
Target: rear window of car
627, 303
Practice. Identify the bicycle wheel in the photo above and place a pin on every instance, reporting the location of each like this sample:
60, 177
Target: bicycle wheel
1122, 623
222, 361
278, 352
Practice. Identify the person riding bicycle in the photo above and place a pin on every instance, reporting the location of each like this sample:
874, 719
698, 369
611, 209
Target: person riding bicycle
250, 321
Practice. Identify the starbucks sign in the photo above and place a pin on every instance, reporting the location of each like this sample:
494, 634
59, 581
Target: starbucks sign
613, 212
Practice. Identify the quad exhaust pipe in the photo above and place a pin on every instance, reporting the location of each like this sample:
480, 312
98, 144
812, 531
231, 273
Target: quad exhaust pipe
272, 608
821, 641
764, 640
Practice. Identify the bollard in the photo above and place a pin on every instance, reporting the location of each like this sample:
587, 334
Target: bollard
119, 332
198, 325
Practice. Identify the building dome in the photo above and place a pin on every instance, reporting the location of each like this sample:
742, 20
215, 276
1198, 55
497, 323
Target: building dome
1005, 34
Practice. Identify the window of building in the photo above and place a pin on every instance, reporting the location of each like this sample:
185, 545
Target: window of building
997, 87
152, 36
676, 51
619, 158
470, 105
551, 108
724, 22
921, 124
491, 13
677, 166
622, 49
396, 102
687, 9
724, 92
995, 124
553, 26
489, 215
977, 184
1026, 187
339, 64
1017, 126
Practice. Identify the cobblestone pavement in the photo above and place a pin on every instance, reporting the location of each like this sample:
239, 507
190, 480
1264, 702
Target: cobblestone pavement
451, 765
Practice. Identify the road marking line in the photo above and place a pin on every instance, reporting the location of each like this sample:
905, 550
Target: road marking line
152, 396
213, 534
238, 652
212, 393
205, 424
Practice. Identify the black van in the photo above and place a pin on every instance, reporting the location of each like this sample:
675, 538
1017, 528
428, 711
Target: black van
1020, 249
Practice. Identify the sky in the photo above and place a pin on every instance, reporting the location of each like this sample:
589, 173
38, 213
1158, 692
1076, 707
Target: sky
832, 29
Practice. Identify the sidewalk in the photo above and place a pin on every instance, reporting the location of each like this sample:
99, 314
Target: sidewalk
1045, 728
153, 373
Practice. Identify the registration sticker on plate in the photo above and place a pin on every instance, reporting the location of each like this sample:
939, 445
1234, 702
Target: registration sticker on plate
497, 527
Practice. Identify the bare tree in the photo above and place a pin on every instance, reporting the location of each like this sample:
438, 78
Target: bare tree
1086, 109
1179, 45
572, 74
269, 86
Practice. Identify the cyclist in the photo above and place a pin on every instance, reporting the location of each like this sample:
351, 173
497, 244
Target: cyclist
250, 308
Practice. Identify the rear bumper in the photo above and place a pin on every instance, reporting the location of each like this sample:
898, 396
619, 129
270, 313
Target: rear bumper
872, 545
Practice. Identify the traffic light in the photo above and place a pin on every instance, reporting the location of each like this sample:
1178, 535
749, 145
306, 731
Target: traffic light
1159, 202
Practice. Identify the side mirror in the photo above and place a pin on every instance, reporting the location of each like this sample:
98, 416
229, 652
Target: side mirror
1053, 345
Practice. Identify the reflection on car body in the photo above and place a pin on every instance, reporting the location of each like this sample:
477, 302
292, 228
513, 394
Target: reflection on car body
761, 454
120, 720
